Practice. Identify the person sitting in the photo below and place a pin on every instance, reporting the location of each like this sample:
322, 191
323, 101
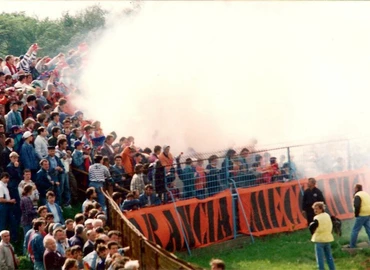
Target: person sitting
148, 198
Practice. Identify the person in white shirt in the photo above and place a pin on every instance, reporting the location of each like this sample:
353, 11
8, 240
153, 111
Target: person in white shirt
66, 159
41, 143
6, 207
27, 181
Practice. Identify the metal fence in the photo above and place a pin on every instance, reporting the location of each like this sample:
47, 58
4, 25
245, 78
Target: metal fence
201, 175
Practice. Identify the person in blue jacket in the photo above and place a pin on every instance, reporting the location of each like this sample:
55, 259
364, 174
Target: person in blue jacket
29, 158
187, 175
56, 168
148, 198
54, 208
130, 203
43, 182
213, 176
37, 245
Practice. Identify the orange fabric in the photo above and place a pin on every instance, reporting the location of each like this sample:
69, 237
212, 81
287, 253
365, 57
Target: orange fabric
166, 161
275, 208
4, 100
205, 222
126, 161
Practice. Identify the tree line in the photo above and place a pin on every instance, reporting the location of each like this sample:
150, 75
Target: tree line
18, 31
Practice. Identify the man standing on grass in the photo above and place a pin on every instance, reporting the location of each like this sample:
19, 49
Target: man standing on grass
361, 203
310, 196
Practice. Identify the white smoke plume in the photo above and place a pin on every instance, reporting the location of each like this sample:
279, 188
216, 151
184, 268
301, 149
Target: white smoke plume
210, 75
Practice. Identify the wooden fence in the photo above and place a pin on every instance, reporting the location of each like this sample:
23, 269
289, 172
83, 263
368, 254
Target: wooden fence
150, 255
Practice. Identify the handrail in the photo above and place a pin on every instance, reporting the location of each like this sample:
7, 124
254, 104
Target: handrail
157, 250
178, 217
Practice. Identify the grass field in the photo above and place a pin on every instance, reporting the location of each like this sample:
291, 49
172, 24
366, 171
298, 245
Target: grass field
280, 251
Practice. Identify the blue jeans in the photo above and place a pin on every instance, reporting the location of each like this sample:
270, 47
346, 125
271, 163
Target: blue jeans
38, 265
7, 220
65, 192
321, 250
360, 221
101, 198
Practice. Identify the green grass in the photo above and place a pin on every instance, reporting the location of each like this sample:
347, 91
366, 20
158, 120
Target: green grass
280, 251
25, 264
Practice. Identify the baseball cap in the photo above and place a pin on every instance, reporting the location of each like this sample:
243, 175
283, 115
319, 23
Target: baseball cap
27, 134
77, 143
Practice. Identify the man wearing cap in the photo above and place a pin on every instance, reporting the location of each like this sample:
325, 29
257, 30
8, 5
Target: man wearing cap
41, 143
54, 116
56, 168
29, 158
13, 118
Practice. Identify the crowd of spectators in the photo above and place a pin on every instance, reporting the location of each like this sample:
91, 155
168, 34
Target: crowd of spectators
49, 152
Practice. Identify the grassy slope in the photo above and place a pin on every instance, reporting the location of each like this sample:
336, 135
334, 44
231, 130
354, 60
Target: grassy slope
282, 251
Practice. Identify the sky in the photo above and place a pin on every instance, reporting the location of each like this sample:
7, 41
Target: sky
211, 75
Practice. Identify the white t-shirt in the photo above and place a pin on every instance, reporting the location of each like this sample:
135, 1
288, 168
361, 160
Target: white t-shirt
4, 191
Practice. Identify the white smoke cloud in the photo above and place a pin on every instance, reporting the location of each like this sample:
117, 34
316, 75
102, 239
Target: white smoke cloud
209, 75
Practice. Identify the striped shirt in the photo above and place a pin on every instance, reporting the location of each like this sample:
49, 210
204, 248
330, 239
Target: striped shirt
26, 62
98, 173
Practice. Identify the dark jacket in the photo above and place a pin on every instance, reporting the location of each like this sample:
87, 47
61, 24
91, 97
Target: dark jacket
106, 151
5, 158
53, 260
43, 182
88, 247
54, 173
310, 197
76, 240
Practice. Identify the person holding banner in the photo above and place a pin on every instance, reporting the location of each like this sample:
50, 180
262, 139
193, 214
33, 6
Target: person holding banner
310, 196
361, 203
321, 230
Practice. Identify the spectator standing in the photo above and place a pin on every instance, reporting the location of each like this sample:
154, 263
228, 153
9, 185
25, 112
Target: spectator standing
8, 259
28, 211
361, 204
137, 181
55, 169
29, 158
311, 195
321, 229
6, 207
166, 158
66, 159
13, 118
37, 246
27, 181
5, 159
187, 176
98, 175
107, 149
43, 181
52, 259
41, 143
54, 208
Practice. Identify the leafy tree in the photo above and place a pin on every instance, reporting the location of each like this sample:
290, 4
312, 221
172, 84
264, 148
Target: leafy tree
18, 31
